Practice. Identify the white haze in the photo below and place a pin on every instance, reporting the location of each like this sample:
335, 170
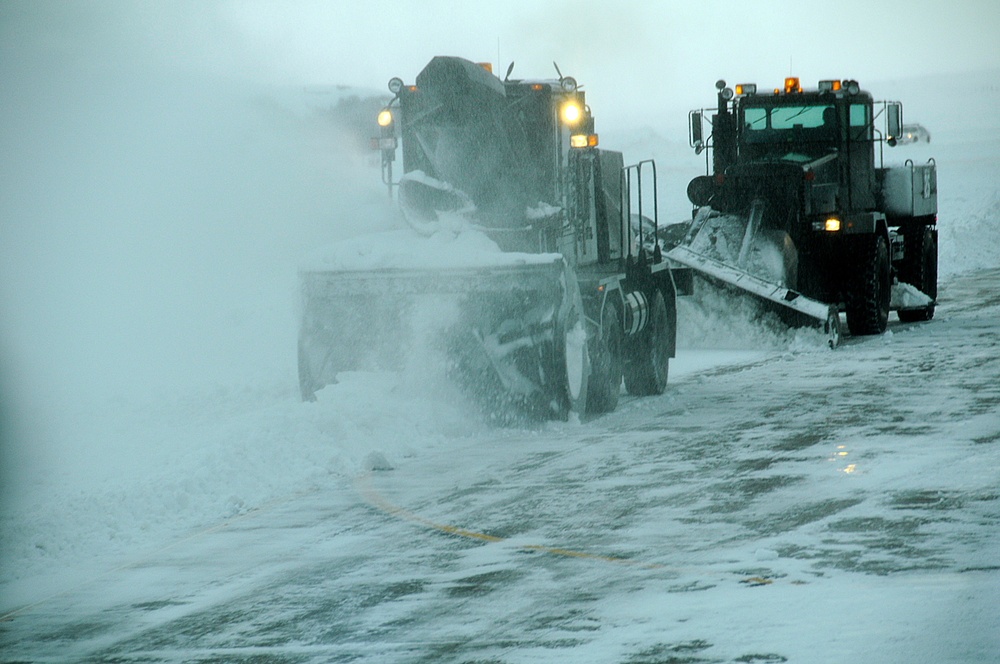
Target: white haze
152, 219
160, 182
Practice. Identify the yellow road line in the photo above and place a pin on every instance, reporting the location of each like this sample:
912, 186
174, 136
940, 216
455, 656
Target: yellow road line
363, 484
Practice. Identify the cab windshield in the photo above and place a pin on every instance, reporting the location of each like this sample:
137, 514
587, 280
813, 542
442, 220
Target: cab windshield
759, 122
788, 132
813, 126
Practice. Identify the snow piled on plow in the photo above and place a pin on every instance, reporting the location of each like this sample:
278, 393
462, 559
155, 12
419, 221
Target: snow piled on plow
405, 249
720, 236
720, 319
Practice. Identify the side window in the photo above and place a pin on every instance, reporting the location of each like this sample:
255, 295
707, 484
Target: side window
859, 115
755, 118
860, 122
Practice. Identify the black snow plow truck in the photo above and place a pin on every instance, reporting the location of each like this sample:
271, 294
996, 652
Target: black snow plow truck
574, 297
797, 207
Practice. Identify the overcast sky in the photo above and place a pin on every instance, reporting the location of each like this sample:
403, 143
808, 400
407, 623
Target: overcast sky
658, 53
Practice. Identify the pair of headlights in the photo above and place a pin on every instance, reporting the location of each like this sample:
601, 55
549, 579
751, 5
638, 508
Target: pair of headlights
571, 114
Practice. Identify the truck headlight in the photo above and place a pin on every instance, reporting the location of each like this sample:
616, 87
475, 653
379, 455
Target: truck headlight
384, 118
830, 225
571, 113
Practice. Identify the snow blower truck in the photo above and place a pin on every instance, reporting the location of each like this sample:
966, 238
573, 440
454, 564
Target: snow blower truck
544, 242
797, 209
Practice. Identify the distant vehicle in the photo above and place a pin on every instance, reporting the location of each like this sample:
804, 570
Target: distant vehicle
914, 133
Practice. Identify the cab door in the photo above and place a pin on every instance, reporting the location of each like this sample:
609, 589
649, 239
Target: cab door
860, 149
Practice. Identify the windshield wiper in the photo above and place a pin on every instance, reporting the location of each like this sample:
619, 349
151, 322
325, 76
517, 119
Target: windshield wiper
804, 109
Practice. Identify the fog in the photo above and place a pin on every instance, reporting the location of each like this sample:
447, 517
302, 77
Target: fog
163, 169
641, 62
159, 214
152, 219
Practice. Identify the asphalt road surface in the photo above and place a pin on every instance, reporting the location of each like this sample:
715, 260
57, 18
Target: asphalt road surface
816, 506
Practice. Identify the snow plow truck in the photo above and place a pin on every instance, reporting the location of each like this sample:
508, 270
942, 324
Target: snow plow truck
544, 242
797, 207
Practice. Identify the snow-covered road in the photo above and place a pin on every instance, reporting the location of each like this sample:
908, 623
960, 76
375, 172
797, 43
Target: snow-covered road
809, 505
165, 496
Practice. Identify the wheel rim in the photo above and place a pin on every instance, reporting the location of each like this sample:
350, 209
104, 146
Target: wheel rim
571, 359
575, 344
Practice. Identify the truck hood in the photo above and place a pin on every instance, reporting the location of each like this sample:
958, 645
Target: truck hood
790, 163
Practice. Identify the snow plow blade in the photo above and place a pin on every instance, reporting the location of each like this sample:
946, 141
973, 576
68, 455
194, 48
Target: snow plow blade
512, 330
826, 315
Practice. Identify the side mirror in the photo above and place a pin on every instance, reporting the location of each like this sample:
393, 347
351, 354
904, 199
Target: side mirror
697, 141
894, 121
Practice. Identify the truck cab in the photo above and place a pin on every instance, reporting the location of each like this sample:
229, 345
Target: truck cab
815, 146
523, 153
815, 129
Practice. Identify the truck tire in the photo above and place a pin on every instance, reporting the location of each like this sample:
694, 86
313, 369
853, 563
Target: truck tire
606, 363
919, 269
647, 361
870, 287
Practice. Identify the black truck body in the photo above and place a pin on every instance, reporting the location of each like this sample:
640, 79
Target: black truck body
805, 169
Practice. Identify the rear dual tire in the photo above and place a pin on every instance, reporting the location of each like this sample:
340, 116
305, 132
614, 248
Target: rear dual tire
647, 360
919, 269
